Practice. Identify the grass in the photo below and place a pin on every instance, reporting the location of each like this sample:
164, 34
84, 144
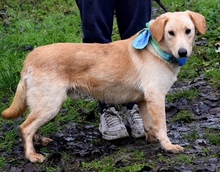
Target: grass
185, 159
8, 141
188, 94
193, 135
213, 136
33, 23
184, 116
2, 161
122, 158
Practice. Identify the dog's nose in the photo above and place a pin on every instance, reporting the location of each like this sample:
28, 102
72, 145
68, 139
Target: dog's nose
182, 52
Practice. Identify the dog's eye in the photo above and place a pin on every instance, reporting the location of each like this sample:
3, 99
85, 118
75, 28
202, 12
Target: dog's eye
188, 31
171, 33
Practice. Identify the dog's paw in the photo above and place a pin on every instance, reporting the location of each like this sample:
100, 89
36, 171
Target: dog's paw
42, 140
150, 137
46, 141
174, 148
36, 158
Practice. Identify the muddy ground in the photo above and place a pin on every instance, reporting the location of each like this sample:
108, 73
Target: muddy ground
84, 143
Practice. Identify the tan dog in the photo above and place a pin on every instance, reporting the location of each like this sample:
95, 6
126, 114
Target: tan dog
113, 73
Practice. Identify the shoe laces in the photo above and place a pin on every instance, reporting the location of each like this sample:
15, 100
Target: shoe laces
135, 117
112, 119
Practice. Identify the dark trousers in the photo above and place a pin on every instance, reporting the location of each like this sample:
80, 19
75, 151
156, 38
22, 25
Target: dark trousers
97, 20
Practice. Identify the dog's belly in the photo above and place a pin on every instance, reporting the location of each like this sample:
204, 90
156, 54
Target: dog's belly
109, 95
120, 97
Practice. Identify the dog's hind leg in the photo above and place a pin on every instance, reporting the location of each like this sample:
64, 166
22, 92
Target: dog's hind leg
43, 108
29, 128
28, 132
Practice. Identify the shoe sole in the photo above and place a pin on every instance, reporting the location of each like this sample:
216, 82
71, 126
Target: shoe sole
108, 137
133, 134
137, 135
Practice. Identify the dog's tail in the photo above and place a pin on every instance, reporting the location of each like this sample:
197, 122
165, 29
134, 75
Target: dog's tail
19, 104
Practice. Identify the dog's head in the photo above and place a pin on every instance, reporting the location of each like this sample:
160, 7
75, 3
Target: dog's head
175, 32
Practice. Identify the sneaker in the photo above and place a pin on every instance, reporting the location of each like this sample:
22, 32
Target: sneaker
134, 121
111, 125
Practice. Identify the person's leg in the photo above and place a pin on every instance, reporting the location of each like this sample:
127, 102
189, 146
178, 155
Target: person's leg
97, 20
132, 15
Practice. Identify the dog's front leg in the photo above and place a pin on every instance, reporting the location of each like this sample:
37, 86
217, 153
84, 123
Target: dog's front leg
152, 110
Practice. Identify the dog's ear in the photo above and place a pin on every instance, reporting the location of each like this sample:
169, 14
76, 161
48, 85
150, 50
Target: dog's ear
198, 20
157, 27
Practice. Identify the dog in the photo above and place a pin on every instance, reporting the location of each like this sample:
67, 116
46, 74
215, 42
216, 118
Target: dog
139, 69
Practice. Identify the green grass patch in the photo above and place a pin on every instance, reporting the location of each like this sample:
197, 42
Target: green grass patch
188, 159
8, 140
213, 137
123, 160
214, 75
183, 116
193, 135
2, 162
189, 94
163, 159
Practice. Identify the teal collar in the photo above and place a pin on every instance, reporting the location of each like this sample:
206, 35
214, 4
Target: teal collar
143, 40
